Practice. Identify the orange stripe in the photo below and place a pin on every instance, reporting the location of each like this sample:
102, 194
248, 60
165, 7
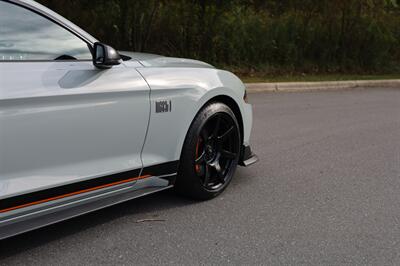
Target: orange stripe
74, 193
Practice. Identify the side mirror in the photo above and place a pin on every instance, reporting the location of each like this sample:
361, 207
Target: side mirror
105, 56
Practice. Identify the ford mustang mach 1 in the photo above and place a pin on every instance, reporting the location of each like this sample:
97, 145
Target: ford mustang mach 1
83, 126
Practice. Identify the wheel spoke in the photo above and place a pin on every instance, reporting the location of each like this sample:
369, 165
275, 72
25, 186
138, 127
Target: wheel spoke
228, 155
216, 128
204, 134
201, 158
206, 175
226, 134
219, 172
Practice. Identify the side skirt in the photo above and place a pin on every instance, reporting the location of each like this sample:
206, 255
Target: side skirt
39, 214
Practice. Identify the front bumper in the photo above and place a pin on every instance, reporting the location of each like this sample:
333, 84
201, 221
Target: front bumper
247, 157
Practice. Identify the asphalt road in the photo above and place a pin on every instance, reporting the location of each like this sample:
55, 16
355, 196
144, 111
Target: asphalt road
326, 191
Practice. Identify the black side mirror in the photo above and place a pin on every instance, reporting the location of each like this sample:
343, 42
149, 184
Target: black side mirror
105, 56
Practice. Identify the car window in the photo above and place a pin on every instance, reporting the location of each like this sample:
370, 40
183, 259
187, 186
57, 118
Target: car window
25, 35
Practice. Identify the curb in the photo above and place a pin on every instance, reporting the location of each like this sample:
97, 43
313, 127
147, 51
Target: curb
315, 86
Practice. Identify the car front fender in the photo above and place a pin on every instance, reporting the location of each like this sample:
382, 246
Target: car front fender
186, 90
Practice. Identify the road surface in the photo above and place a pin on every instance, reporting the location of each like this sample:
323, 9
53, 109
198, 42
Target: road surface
326, 191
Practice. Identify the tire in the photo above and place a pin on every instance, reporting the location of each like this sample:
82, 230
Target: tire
210, 153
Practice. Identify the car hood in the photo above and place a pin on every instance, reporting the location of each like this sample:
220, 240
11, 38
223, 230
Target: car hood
153, 60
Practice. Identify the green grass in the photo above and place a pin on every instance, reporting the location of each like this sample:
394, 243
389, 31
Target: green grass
313, 77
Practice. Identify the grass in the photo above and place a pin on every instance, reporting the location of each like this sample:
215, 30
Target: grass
313, 77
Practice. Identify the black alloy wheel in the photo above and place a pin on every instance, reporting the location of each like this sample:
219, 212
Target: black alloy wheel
216, 150
210, 154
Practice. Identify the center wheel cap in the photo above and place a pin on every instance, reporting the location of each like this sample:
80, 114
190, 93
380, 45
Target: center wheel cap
210, 153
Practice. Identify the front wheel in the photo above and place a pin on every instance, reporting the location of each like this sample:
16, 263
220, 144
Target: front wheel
210, 153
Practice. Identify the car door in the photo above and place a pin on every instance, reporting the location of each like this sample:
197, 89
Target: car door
63, 121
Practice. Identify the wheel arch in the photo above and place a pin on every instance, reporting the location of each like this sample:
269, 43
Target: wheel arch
231, 103
181, 182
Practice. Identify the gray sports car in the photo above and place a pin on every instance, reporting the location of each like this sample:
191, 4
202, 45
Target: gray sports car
83, 126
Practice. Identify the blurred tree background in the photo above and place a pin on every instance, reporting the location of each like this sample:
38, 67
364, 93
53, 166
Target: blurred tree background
270, 36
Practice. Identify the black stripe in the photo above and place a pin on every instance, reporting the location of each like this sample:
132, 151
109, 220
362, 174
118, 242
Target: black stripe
66, 189
156, 170
161, 169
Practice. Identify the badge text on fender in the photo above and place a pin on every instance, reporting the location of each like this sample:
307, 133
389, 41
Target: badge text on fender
163, 106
